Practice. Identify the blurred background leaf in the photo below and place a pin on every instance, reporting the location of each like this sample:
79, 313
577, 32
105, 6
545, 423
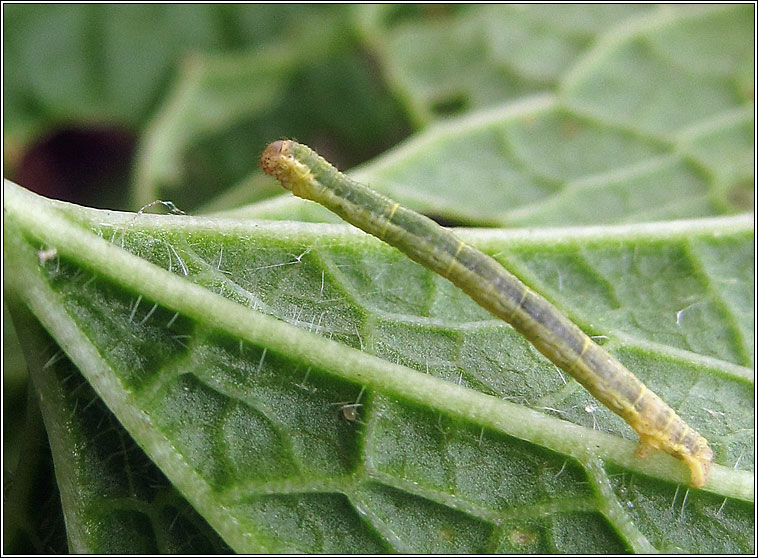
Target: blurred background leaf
200, 88
119, 105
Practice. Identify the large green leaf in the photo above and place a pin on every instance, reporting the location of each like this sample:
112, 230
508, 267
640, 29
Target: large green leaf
232, 350
653, 122
569, 116
478, 56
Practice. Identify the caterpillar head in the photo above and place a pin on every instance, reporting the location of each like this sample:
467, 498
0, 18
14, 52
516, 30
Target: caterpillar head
278, 161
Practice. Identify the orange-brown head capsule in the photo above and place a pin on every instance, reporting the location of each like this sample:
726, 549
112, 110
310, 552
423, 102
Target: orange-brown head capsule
279, 160
271, 157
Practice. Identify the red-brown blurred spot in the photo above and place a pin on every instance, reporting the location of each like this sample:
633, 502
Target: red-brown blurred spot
88, 166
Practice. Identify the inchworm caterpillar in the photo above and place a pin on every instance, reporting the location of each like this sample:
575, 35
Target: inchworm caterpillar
309, 176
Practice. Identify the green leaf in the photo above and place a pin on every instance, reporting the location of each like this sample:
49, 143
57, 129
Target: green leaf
188, 408
507, 52
232, 352
221, 104
504, 51
31, 501
200, 84
95, 63
114, 498
654, 121
86, 62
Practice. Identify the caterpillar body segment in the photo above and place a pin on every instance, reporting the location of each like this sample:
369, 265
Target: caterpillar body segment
309, 176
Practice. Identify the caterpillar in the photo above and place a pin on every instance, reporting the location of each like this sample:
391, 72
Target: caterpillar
307, 175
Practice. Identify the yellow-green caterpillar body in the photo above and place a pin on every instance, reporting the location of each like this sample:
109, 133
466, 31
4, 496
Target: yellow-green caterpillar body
309, 176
